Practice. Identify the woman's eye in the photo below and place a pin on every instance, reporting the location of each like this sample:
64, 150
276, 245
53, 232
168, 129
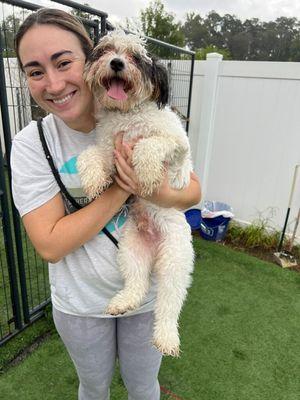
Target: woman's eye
35, 74
63, 64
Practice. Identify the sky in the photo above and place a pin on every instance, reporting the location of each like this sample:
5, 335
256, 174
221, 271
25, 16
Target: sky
265, 10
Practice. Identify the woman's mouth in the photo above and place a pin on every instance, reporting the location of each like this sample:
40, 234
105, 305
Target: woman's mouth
63, 100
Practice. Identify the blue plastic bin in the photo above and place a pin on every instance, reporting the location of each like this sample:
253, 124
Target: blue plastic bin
193, 217
215, 228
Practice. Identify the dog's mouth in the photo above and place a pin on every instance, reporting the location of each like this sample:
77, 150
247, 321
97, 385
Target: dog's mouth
117, 88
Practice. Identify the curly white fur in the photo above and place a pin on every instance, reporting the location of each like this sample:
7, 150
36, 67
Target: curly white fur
154, 238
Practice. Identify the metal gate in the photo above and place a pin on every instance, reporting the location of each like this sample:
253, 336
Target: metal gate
24, 286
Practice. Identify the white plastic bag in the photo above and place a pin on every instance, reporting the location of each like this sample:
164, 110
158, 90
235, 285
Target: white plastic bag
213, 209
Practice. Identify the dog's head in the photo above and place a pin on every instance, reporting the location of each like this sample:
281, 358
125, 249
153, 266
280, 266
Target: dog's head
121, 73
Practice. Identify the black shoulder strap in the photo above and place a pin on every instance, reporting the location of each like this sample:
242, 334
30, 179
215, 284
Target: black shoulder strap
59, 181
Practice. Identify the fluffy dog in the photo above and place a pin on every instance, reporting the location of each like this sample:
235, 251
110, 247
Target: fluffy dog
131, 89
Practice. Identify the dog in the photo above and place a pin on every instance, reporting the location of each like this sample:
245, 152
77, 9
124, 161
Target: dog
131, 89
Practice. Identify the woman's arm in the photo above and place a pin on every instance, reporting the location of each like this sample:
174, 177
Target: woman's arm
165, 196
54, 234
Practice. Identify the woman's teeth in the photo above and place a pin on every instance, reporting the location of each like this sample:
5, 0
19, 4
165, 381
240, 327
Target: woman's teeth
63, 100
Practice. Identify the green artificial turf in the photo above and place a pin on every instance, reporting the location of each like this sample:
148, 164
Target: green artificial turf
239, 333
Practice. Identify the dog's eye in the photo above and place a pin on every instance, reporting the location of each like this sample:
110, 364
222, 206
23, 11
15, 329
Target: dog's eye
107, 49
136, 58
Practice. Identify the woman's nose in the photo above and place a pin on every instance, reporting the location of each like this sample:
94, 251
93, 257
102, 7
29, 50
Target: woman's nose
55, 83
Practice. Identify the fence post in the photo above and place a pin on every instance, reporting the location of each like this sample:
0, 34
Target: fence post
4, 203
206, 132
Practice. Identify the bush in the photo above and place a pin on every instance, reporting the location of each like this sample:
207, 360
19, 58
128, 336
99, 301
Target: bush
254, 236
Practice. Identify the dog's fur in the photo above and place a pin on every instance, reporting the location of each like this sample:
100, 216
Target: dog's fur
154, 238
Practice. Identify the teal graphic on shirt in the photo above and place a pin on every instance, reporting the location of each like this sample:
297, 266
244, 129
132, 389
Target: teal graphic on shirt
69, 168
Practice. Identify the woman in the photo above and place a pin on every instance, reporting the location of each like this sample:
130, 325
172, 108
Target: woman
52, 48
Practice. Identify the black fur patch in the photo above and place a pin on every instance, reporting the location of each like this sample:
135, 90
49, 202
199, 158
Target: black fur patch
158, 75
160, 82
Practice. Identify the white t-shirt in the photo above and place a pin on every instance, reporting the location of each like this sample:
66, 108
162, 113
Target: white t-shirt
84, 281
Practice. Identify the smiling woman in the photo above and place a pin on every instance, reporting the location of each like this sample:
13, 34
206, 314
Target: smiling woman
54, 74
52, 48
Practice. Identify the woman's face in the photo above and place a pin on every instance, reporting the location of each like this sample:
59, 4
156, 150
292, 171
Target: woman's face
53, 61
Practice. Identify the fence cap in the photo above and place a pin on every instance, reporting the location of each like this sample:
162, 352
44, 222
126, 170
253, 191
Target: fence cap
210, 56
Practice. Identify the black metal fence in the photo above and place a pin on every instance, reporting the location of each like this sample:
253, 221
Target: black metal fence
24, 287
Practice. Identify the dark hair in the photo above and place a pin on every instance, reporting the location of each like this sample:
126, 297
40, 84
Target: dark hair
59, 18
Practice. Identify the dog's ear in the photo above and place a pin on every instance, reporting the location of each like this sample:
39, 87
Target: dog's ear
160, 83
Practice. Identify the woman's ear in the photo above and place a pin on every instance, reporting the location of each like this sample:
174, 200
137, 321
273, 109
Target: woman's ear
160, 83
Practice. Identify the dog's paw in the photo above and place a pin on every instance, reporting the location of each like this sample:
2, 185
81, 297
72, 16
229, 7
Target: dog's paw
150, 174
94, 190
94, 172
120, 305
116, 309
149, 182
167, 344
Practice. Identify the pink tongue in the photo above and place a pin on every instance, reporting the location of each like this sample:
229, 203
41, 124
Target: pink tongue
116, 90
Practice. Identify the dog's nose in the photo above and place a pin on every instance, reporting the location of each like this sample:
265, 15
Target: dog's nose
117, 64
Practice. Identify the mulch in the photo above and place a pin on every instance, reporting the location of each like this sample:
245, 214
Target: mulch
262, 254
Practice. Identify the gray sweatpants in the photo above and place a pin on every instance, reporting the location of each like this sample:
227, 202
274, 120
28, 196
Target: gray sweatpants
94, 344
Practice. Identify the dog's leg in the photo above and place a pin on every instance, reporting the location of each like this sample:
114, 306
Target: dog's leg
95, 167
148, 160
173, 267
134, 258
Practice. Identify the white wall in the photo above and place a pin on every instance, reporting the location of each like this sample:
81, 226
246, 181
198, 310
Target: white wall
245, 135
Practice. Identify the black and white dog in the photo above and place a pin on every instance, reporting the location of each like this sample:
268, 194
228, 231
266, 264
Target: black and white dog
132, 91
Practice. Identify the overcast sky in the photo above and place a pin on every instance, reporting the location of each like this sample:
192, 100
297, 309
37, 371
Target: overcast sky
265, 10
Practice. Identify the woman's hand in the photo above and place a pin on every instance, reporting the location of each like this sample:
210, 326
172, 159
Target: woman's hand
165, 196
125, 177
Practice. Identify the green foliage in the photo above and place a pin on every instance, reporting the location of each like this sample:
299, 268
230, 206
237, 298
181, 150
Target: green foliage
253, 236
249, 40
157, 23
195, 31
9, 28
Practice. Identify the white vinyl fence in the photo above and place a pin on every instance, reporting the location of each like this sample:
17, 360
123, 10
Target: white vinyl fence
245, 135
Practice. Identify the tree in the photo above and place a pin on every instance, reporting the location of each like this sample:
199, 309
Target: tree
295, 49
9, 28
159, 24
195, 31
235, 37
213, 24
253, 28
286, 31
